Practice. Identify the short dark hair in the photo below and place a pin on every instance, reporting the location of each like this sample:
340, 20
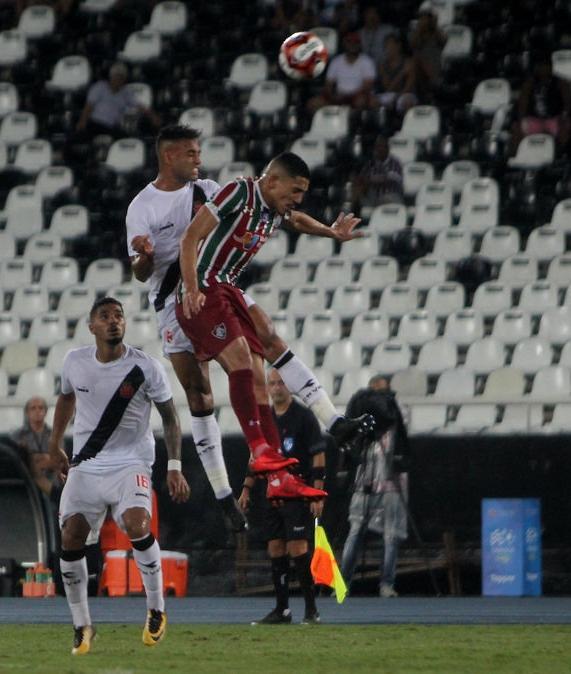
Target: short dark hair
101, 302
176, 132
292, 164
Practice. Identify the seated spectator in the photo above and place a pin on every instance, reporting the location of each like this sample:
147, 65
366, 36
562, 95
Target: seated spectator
427, 42
349, 79
397, 77
108, 101
380, 180
544, 104
374, 33
32, 440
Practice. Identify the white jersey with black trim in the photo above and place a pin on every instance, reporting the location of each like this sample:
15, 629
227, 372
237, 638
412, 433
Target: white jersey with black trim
163, 216
113, 407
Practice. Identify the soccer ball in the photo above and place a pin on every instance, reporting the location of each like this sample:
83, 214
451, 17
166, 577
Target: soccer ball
303, 56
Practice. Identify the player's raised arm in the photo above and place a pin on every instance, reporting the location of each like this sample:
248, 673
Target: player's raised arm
65, 407
178, 487
200, 227
341, 230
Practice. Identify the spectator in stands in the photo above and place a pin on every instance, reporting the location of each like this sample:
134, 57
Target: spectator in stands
349, 79
397, 77
380, 484
108, 101
374, 33
341, 14
32, 440
380, 180
291, 16
544, 104
427, 42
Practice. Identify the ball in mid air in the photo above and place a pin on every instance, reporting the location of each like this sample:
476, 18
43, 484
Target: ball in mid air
303, 56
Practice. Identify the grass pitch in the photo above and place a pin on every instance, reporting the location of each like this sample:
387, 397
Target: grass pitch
311, 649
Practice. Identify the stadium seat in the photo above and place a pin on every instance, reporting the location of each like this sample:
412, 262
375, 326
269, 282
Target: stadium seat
168, 18
435, 192
15, 273
500, 243
304, 351
275, 249
427, 271
551, 382
334, 272
329, 37
427, 418
126, 155
458, 173
216, 152
42, 246
13, 47
312, 150
417, 327
390, 356
53, 179
18, 357
9, 99
444, 299
565, 356
70, 222
490, 95
321, 328
37, 21
342, 356
516, 419
545, 243
561, 61
35, 382
313, 249
452, 244
492, 297
247, 70
228, 422
57, 352
404, 148
285, 274
537, 297
82, 336
141, 328
459, 41
559, 271
416, 174
398, 299
233, 170
330, 123
478, 219
284, 325
561, 420
464, 327
561, 216
456, 383
18, 126
141, 46
359, 250
219, 382
9, 328
75, 301
518, 271
421, 122
473, 419
378, 272
436, 356
142, 94
532, 354
70, 74
387, 219
59, 272
7, 247
512, 326
484, 355
534, 152
128, 295
431, 219
352, 381
200, 118
479, 192
267, 98
103, 273
47, 329
32, 156
266, 295
29, 301
11, 417
410, 382
555, 325
305, 299
350, 300
370, 328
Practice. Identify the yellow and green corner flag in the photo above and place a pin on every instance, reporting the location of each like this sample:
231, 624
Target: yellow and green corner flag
324, 565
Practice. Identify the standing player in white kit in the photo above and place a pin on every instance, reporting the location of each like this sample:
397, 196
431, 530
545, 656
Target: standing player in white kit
110, 387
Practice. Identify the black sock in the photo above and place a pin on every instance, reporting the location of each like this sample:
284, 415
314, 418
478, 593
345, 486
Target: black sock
305, 578
280, 576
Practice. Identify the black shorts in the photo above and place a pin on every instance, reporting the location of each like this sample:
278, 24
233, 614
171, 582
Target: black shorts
291, 522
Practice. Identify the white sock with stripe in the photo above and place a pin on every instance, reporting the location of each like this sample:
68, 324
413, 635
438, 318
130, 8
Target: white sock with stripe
208, 442
74, 576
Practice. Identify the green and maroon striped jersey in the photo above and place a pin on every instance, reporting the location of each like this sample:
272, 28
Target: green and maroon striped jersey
245, 222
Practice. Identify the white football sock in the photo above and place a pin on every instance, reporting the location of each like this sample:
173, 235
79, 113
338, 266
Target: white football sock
208, 442
149, 564
300, 380
74, 577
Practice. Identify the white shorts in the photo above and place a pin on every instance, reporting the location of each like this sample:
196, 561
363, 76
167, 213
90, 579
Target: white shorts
90, 494
173, 338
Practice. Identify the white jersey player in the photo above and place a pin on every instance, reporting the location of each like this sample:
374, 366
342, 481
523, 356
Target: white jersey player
110, 387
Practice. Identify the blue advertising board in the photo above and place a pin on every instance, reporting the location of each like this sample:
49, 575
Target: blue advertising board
511, 547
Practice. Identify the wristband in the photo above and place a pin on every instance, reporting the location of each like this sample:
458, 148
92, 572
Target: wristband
174, 464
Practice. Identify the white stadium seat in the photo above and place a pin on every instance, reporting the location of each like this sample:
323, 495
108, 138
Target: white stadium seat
285, 274
512, 326
500, 243
47, 329
532, 354
321, 328
168, 17
305, 299
553, 381
505, 383
75, 301
534, 152
333, 272
464, 327
398, 299
426, 271
485, 355
103, 273
314, 248
70, 74
545, 243
417, 327
378, 272
53, 179
342, 356
437, 355
350, 300
233, 170
126, 155
457, 383
32, 156
216, 152
518, 270
421, 122
70, 222
35, 382
247, 70
9, 99
330, 122
452, 244
390, 356
444, 299
141, 46
18, 126
370, 328
387, 219
29, 301
18, 357
202, 119
59, 272
268, 97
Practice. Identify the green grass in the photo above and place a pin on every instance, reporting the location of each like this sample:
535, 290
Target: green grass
322, 649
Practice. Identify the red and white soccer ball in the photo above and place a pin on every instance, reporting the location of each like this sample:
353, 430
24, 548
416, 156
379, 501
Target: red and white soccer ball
303, 56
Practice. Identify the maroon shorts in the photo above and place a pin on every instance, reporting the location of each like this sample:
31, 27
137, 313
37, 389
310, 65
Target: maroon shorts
223, 318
